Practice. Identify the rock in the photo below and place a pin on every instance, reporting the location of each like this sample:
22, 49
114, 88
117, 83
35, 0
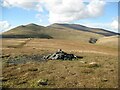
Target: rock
111, 70
92, 40
46, 57
34, 48
5, 79
32, 69
83, 62
94, 64
43, 82
60, 55
104, 80
5, 56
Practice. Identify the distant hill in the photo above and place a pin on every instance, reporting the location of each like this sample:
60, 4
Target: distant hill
86, 29
57, 31
111, 41
26, 31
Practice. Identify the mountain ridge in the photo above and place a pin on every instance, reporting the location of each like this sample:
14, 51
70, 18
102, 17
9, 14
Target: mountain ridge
86, 28
56, 31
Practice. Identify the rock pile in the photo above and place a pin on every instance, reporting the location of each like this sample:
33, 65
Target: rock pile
60, 55
93, 40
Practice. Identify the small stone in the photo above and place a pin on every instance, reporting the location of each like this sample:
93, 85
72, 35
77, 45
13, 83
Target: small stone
34, 48
19, 68
43, 82
73, 73
94, 64
32, 69
104, 80
4, 56
62, 77
83, 62
5, 79
111, 70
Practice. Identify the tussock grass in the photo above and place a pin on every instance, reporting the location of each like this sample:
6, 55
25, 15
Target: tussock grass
64, 73
59, 73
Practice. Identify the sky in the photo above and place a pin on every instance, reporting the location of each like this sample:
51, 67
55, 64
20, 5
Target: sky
92, 13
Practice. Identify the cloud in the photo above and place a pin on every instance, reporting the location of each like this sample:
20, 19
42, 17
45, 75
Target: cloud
39, 16
25, 4
95, 25
95, 8
61, 11
112, 26
4, 25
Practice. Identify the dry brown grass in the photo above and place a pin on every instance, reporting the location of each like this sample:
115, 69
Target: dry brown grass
51, 45
64, 74
111, 41
61, 74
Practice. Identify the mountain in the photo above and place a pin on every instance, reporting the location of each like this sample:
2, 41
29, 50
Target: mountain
87, 29
26, 31
57, 31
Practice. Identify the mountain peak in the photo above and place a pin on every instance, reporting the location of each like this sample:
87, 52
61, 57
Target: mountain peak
32, 24
60, 24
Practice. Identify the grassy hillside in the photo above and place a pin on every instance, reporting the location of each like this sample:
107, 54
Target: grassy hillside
28, 31
111, 41
59, 32
85, 29
24, 46
23, 68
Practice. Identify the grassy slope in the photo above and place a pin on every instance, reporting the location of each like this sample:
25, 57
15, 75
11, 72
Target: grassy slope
42, 45
56, 33
84, 28
63, 74
30, 30
111, 41
71, 34
60, 73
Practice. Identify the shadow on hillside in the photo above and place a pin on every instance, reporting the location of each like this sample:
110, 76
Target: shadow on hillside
93, 30
27, 36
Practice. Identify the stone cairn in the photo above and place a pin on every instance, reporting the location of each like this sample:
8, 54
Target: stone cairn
60, 55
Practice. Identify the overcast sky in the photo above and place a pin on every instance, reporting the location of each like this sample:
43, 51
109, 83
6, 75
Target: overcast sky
93, 13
